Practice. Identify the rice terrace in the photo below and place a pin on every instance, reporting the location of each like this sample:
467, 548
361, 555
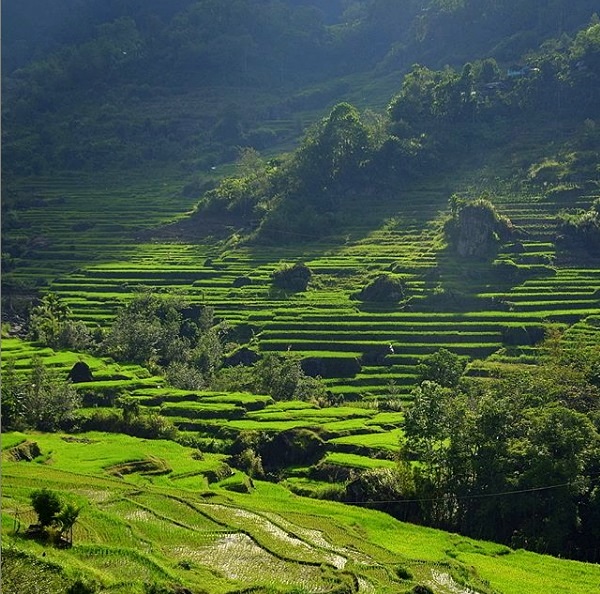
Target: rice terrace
301, 297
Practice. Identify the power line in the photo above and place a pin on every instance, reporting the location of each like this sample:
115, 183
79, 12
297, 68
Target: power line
462, 497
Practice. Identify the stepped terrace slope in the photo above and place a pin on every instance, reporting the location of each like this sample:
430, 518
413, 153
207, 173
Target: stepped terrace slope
166, 522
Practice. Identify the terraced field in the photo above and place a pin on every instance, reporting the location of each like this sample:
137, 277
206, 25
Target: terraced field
537, 286
364, 352
174, 527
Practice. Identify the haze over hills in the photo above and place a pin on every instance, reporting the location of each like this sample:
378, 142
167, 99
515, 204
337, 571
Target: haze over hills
140, 82
293, 251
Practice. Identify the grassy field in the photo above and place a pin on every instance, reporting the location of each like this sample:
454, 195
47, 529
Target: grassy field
137, 528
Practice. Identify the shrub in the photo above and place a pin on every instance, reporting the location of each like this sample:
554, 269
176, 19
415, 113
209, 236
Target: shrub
582, 230
50, 323
251, 463
384, 289
292, 278
46, 505
146, 425
403, 573
184, 376
54, 517
283, 379
40, 401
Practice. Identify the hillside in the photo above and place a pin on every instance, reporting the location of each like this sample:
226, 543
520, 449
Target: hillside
170, 527
93, 84
288, 253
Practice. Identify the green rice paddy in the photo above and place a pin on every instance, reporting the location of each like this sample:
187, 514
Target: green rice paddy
138, 528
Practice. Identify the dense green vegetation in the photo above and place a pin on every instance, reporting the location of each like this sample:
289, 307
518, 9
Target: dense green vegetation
350, 249
239, 72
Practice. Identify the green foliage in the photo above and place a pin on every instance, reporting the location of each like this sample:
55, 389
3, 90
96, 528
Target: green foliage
46, 505
443, 368
333, 154
139, 56
184, 376
293, 278
251, 463
39, 400
582, 229
149, 329
512, 459
55, 518
165, 332
149, 425
50, 323
67, 517
286, 533
247, 195
283, 379
383, 289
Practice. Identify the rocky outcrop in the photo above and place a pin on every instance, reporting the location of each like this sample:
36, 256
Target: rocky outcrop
476, 230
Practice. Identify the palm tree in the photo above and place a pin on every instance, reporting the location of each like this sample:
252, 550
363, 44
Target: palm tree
66, 519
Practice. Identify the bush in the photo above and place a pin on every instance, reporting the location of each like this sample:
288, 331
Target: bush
46, 505
146, 425
292, 278
384, 289
403, 573
582, 230
283, 379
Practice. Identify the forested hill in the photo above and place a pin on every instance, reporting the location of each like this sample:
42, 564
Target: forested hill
94, 83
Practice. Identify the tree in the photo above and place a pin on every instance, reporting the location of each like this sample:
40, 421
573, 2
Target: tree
283, 379
513, 459
151, 329
444, 368
66, 519
332, 156
50, 323
54, 514
46, 505
40, 401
